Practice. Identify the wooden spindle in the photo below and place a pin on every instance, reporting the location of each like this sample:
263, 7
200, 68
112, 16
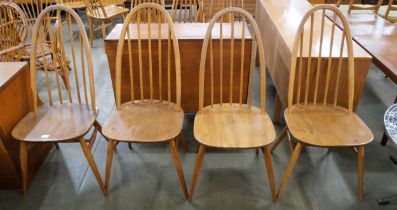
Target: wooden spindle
309, 59
242, 61
328, 74
319, 57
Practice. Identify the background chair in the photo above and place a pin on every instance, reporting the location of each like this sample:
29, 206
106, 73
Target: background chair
227, 124
154, 113
391, 8
13, 31
318, 121
186, 11
97, 11
352, 6
73, 113
211, 7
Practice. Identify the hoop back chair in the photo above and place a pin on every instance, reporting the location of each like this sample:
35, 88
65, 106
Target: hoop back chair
352, 6
229, 124
70, 111
153, 113
318, 121
144, 15
97, 11
391, 8
13, 31
186, 11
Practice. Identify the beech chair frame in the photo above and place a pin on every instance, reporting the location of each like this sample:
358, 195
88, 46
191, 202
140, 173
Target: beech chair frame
27, 130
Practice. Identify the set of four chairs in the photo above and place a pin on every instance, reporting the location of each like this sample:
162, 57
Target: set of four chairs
158, 118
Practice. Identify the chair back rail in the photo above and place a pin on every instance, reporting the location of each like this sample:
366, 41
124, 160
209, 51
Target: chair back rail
307, 79
236, 65
145, 62
70, 39
13, 31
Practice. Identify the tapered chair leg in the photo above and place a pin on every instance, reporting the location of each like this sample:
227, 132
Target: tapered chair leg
23, 156
199, 160
91, 163
360, 158
182, 139
178, 166
279, 138
92, 138
109, 159
130, 145
270, 175
290, 167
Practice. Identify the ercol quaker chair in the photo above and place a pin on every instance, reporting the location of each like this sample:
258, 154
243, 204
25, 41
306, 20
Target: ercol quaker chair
154, 113
98, 12
13, 31
186, 11
71, 115
229, 124
352, 6
318, 121
391, 8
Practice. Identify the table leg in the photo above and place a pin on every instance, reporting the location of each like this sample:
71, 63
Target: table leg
384, 139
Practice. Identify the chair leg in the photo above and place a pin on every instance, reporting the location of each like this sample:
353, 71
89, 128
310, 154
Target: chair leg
360, 158
178, 166
270, 175
290, 167
109, 159
279, 138
92, 138
56, 145
277, 110
91, 31
92, 164
384, 140
181, 138
23, 156
103, 30
199, 160
130, 145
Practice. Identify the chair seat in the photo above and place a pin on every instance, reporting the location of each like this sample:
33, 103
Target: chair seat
144, 122
59, 122
111, 11
233, 126
327, 126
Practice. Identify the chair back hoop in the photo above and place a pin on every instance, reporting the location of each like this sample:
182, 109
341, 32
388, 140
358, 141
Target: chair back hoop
13, 31
61, 65
164, 17
256, 42
296, 79
186, 11
32, 9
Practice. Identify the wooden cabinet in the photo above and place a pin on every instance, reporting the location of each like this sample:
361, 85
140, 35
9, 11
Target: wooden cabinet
15, 103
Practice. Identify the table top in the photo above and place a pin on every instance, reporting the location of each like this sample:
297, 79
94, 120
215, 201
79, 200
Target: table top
183, 31
379, 38
8, 70
390, 120
286, 16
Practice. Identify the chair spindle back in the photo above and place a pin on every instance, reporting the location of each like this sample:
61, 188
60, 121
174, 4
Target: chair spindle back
186, 11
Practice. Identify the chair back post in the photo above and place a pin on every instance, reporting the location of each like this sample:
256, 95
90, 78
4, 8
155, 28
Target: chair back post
163, 18
257, 42
13, 31
43, 27
298, 79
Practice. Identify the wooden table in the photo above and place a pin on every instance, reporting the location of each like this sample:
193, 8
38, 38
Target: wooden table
278, 21
15, 103
190, 37
379, 38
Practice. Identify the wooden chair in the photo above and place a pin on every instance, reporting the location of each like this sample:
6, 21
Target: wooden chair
72, 115
154, 114
211, 7
98, 12
319, 121
352, 6
13, 31
73, 4
231, 125
390, 8
186, 11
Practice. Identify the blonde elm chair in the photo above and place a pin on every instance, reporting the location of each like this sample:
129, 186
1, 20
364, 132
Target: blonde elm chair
154, 113
229, 124
71, 111
318, 121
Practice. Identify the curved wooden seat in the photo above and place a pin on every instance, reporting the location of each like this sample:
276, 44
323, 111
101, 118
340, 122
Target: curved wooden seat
107, 11
59, 122
327, 126
233, 126
131, 121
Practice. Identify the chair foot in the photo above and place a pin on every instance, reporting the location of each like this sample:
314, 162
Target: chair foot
199, 161
360, 158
